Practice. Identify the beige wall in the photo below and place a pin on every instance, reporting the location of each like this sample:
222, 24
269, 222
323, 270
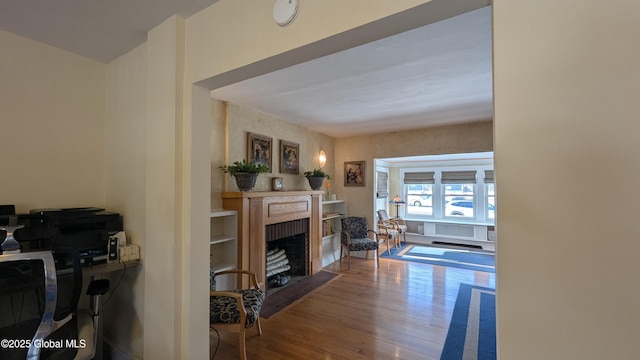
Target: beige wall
233, 33
165, 189
256, 46
52, 111
566, 111
242, 120
70, 93
566, 164
466, 138
125, 183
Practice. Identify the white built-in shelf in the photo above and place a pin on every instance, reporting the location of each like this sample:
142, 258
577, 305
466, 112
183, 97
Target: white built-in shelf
222, 213
332, 216
224, 267
223, 242
221, 238
331, 242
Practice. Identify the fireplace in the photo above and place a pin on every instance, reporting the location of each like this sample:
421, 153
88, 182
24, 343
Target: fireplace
270, 216
287, 252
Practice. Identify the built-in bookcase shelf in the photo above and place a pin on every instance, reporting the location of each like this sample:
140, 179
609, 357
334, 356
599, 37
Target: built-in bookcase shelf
332, 212
223, 244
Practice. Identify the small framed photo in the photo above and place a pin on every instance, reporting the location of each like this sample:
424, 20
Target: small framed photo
354, 173
259, 149
276, 184
289, 157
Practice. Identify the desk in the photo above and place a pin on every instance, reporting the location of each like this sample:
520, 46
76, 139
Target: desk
96, 307
102, 269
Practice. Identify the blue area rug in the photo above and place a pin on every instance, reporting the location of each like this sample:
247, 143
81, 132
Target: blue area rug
471, 259
472, 332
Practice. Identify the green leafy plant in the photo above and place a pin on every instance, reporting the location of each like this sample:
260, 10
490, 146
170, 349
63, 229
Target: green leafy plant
244, 166
317, 173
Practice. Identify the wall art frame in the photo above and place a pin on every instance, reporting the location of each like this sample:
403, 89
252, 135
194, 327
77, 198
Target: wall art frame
354, 173
289, 157
259, 149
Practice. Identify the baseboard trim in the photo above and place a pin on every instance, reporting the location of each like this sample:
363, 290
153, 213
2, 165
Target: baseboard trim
115, 353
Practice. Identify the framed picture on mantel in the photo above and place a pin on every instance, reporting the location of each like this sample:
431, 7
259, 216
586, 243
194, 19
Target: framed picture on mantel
276, 184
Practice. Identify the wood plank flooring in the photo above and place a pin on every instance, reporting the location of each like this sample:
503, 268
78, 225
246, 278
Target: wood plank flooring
399, 311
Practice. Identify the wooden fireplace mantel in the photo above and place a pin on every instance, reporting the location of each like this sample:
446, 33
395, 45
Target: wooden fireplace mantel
258, 209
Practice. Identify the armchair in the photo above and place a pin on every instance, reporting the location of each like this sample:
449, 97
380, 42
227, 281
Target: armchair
236, 309
355, 237
400, 224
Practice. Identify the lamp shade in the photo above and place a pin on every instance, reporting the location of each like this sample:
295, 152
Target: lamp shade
322, 158
397, 200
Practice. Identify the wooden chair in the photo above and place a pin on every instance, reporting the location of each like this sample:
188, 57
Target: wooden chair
400, 224
355, 237
388, 230
236, 309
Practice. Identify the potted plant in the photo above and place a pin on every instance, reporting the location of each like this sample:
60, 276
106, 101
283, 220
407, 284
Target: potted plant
316, 178
245, 173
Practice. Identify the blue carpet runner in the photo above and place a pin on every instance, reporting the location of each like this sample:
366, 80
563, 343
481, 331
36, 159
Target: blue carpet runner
471, 259
472, 332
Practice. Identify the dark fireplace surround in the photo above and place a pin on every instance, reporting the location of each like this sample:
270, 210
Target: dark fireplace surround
292, 237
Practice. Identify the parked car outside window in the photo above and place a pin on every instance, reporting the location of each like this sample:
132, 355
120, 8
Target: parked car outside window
463, 208
419, 200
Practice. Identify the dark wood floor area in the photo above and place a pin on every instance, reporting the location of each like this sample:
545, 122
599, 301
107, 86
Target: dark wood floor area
399, 311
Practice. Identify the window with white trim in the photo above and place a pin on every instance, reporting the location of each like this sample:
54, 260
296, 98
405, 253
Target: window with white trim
459, 193
419, 193
490, 192
449, 193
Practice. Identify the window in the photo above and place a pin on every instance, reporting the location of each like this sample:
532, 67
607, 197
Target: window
419, 193
459, 200
382, 190
450, 192
490, 191
459, 193
420, 199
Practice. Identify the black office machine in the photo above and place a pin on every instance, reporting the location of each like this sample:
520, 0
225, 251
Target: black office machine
86, 230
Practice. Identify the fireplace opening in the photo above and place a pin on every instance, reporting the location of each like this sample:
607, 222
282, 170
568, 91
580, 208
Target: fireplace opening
287, 252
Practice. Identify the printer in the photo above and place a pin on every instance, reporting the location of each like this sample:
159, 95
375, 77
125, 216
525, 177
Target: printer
85, 229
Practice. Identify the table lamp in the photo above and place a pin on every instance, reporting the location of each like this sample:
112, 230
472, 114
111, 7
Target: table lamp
397, 201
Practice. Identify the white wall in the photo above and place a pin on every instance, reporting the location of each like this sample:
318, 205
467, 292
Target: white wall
52, 111
566, 165
125, 177
233, 33
165, 187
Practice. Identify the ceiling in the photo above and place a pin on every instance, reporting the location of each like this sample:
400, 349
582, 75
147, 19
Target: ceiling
439, 74
98, 29
435, 75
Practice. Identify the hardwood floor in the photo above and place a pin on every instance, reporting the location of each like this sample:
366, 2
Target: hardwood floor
399, 311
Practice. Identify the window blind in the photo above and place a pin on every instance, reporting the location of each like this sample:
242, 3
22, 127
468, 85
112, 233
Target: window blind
381, 187
459, 177
488, 176
419, 177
